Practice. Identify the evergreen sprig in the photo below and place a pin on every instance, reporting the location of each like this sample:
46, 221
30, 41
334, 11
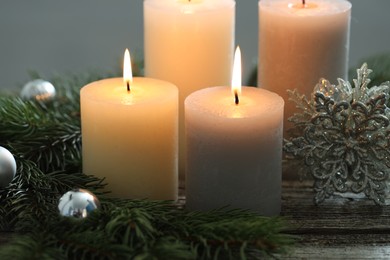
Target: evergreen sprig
29, 128
46, 133
45, 139
140, 229
33, 194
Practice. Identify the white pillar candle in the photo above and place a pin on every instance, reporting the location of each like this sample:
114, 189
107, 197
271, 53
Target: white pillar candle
234, 151
189, 43
131, 137
301, 43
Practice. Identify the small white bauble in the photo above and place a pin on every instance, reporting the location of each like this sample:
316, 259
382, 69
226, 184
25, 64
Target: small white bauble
39, 90
7, 167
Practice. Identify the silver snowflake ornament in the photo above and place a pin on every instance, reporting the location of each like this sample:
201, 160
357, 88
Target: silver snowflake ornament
344, 137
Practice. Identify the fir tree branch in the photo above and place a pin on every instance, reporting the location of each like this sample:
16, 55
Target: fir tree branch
155, 229
33, 194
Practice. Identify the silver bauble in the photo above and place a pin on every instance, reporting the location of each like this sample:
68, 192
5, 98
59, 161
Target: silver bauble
7, 167
78, 203
39, 90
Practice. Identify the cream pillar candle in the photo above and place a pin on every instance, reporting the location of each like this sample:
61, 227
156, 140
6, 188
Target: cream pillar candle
130, 137
301, 43
189, 43
234, 151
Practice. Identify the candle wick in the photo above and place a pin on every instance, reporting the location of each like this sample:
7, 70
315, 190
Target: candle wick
236, 100
304, 2
128, 86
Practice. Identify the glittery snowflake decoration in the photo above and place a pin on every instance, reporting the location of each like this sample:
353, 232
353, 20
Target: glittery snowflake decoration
345, 137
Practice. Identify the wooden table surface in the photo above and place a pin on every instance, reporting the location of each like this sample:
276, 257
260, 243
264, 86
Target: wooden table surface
339, 228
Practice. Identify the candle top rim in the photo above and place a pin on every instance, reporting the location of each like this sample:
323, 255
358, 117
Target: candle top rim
143, 91
204, 6
219, 102
322, 7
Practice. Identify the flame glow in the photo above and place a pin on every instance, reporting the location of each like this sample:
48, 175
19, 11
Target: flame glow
127, 73
236, 78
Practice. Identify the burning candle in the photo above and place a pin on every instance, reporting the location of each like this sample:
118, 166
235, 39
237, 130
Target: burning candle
234, 147
130, 135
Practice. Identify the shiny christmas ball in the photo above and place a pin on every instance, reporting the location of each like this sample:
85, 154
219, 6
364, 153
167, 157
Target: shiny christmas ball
39, 90
78, 203
7, 167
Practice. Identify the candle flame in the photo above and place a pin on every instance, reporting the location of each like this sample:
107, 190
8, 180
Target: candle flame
236, 78
127, 73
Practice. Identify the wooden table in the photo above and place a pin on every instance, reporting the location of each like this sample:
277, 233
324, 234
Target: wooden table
339, 228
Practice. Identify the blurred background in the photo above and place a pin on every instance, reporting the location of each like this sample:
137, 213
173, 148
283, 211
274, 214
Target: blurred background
55, 37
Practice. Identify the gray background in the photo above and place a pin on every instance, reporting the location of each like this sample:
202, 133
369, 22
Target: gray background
73, 36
